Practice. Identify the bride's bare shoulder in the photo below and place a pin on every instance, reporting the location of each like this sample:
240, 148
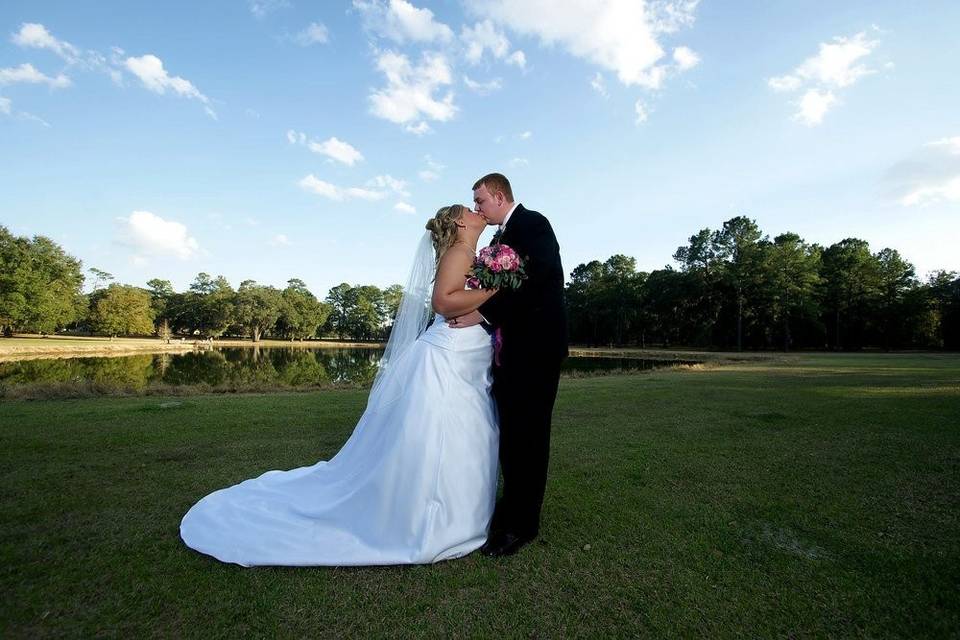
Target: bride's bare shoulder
456, 256
454, 264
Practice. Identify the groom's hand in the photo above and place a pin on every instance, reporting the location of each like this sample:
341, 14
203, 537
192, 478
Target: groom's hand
469, 320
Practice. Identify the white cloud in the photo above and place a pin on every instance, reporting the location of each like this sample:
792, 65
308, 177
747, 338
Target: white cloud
621, 36
814, 105
404, 207
931, 176
642, 112
418, 129
149, 69
518, 162
408, 96
518, 59
389, 182
280, 240
484, 36
837, 65
314, 185
483, 88
337, 150
433, 170
599, 85
526, 135
686, 58
27, 73
950, 145
6, 109
333, 148
296, 137
261, 8
785, 83
153, 235
36, 36
948, 191
33, 118
401, 22
315, 33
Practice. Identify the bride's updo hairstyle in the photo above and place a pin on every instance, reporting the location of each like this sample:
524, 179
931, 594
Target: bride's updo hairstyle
443, 228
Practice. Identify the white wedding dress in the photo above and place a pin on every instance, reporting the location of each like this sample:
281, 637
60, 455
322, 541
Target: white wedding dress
415, 483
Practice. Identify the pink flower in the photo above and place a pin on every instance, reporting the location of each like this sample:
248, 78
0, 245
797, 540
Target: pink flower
473, 283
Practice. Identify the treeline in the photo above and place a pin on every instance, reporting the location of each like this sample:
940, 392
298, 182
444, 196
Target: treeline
734, 288
41, 292
737, 288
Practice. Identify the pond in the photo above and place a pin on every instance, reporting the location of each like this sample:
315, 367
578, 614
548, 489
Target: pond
245, 368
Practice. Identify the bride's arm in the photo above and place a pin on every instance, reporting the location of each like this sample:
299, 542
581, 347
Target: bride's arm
450, 299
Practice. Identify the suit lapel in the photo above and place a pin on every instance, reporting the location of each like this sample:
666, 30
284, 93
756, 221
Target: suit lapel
512, 224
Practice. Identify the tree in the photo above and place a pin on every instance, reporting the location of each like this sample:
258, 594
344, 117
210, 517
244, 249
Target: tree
849, 286
665, 302
793, 276
40, 284
944, 287
337, 298
895, 278
209, 305
701, 267
14, 273
161, 295
123, 310
738, 245
619, 295
365, 313
99, 277
256, 308
392, 296
582, 299
301, 314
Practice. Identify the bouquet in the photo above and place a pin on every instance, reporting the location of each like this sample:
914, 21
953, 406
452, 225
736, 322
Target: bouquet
496, 267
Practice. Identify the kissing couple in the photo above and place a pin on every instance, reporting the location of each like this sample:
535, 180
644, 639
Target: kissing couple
416, 482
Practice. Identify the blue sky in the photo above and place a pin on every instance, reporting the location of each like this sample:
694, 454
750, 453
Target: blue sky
271, 139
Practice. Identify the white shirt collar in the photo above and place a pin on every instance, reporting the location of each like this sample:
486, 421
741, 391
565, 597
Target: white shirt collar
509, 213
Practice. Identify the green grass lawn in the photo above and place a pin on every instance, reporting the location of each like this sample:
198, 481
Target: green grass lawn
811, 497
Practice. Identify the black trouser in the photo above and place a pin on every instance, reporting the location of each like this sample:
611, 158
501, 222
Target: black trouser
525, 397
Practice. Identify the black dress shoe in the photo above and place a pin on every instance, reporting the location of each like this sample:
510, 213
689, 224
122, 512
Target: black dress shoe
505, 544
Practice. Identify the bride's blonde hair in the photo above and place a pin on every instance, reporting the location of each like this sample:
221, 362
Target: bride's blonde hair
443, 228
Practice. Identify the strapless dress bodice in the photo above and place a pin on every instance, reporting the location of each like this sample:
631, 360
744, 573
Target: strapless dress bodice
441, 334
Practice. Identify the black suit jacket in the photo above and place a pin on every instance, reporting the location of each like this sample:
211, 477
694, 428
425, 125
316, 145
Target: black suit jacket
532, 319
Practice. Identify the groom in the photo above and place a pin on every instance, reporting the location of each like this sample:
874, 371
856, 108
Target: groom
533, 329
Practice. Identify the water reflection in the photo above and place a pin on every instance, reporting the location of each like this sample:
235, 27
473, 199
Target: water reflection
246, 367
242, 367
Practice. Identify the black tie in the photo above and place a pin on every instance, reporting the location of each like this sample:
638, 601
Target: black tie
496, 237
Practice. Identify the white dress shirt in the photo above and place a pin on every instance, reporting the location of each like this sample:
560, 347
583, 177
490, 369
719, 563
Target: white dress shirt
507, 217
502, 226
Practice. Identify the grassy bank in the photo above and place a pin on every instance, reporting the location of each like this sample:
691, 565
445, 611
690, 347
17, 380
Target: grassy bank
29, 346
808, 498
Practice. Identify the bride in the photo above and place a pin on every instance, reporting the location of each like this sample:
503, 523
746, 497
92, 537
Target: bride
416, 481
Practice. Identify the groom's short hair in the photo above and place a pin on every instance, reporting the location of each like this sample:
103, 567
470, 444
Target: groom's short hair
495, 182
